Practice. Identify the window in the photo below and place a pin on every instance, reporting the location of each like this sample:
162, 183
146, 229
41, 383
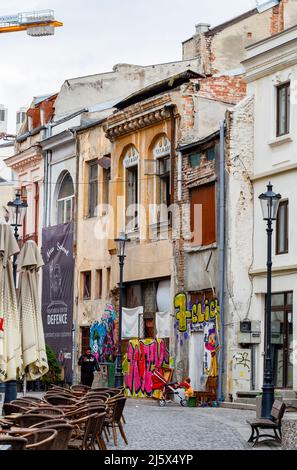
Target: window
108, 272
99, 283
24, 198
106, 184
164, 180
282, 226
86, 285
85, 338
93, 188
195, 160
2, 115
65, 200
132, 197
283, 110
210, 154
36, 216
203, 214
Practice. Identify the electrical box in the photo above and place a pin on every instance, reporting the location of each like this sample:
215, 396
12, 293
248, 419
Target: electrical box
249, 332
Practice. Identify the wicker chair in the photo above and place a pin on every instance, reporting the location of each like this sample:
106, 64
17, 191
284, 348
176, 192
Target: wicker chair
87, 439
10, 408
16, 443
60, 400
48, 423
114, 421
27, 420
43, 439
63, 429
46, 410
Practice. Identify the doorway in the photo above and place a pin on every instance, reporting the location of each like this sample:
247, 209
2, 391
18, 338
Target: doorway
282, 339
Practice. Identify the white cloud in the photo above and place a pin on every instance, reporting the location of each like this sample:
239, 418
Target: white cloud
96, 35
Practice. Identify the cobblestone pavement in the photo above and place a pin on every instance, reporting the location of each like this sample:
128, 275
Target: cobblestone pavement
150, 427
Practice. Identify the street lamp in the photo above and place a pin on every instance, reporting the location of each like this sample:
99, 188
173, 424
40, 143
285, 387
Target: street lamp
121, 242
17, 211
270, 204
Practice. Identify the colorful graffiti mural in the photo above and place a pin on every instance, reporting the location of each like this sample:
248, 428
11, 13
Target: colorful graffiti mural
102, 336
201, 316
139, 362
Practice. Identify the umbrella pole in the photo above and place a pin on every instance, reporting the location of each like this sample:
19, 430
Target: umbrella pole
24, 386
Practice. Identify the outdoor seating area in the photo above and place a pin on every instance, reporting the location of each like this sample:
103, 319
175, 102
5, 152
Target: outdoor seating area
79, 418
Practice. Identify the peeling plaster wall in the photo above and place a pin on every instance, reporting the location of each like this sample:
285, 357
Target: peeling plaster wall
239, 227
83, 92
92, 253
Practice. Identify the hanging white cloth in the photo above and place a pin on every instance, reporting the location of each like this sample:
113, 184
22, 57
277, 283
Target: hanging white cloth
130, 321
163, 320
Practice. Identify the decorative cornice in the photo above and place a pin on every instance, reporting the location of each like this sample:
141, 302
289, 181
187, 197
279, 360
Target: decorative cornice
26, 159
138, 116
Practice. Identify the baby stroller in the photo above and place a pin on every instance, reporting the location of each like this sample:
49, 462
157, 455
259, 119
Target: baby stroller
160, 383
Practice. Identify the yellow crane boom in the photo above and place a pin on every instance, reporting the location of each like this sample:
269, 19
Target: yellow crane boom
36, 23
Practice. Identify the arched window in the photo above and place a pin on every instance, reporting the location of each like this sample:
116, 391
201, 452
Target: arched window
162, 151
131, 181
65, 200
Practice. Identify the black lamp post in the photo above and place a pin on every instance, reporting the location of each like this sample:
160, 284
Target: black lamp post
270, 204
17, 211
121, 241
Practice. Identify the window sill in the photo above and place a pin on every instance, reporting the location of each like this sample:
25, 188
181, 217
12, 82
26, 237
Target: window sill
197, 249
283, 139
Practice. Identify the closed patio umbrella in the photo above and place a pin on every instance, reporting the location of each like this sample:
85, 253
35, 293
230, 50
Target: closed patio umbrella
10, 338
33, 344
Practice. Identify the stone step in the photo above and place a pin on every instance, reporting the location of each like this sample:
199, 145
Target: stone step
238, 406
246, 401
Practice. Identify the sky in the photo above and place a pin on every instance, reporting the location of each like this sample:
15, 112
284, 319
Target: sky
97, 35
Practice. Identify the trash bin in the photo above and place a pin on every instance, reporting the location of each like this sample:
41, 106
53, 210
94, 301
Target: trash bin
10, 391
111, 374
192, 402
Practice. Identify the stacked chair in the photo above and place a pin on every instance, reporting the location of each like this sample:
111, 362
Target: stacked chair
78, 418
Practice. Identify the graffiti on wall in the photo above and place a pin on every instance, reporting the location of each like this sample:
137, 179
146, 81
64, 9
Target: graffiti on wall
102, 336
142, 356
199, 316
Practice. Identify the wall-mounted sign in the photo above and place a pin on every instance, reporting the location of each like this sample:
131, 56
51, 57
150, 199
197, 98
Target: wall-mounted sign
162, 147
131, 158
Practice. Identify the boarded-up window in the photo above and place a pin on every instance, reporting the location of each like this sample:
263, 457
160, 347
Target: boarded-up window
203, 215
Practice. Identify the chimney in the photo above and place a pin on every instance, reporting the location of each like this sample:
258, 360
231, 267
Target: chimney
202, 28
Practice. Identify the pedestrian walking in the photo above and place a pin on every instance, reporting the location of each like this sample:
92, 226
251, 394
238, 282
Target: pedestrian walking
89, 365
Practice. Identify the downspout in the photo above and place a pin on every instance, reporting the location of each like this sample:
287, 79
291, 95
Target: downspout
221, 257
75, 303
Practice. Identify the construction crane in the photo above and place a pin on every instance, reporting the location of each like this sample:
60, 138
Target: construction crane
36, 23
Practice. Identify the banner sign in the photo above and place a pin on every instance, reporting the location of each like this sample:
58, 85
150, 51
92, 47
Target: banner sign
57, 292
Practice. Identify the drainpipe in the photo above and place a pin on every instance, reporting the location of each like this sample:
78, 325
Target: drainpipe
221, 256
75, 302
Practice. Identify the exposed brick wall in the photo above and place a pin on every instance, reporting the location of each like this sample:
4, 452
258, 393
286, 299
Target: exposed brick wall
224, 88
277, 18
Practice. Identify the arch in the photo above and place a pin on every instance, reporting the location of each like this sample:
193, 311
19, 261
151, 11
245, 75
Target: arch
129, 168
64, 198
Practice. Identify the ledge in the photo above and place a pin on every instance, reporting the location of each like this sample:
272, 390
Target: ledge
283, 139
275, 270
199, 249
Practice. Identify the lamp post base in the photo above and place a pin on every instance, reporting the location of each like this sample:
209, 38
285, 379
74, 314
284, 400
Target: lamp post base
118, 380
267, 401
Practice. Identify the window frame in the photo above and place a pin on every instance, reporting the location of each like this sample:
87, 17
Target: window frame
278, 251
99, 283
279, 88
83, 284
92, 182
